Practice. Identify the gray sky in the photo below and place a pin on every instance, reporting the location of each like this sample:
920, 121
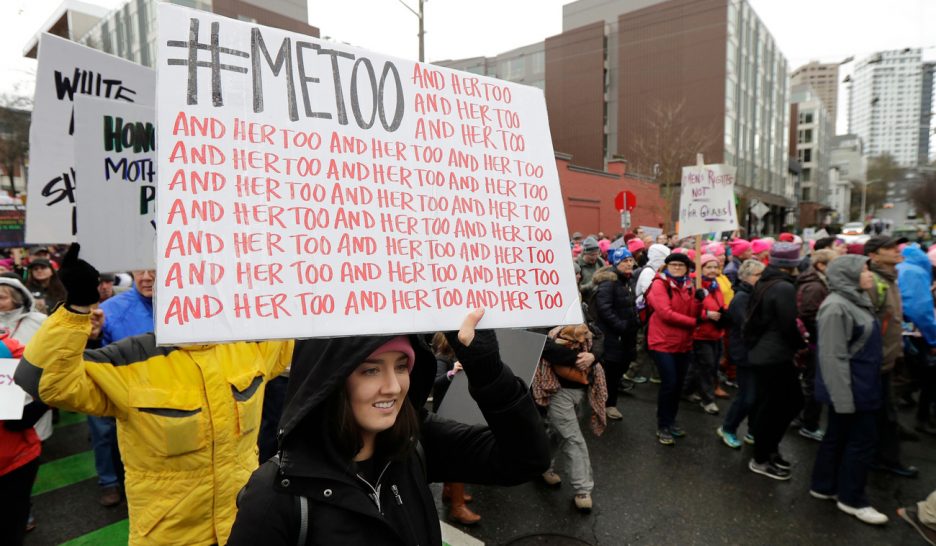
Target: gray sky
825, 30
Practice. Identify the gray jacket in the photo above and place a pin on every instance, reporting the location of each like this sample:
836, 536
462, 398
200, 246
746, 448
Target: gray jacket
23, 321
849, 344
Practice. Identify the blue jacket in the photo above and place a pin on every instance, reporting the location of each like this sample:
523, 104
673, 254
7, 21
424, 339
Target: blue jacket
126, 314
915, 276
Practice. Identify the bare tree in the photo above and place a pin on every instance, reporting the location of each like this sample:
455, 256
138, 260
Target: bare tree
923, 196
667, 142
14, 135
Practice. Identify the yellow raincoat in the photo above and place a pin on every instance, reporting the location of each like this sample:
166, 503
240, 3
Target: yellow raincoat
187, 419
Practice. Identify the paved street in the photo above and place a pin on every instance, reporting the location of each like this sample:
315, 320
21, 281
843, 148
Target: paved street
699, 492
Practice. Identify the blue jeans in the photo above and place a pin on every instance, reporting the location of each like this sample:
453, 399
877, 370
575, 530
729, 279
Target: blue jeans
743, 403
106, 454
672, 368
844, 458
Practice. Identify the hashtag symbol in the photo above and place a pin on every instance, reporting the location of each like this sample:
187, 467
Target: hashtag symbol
215, 64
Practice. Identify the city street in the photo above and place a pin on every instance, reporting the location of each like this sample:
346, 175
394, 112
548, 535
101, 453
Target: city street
699, 492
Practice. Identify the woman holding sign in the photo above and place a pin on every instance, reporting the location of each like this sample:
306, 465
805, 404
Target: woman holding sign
357, 449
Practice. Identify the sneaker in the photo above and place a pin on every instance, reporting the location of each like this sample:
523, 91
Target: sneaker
911, 516
867, 514
583, 502
721, 393
638, 379
710, 408
613, 413
552, 478
780, 462
816, 435
730, 383
749, 439
729, 438
666, 437
770, 470
110, 496
656, 380
822, 496
677, 431
899, 469
625, 386
692, 398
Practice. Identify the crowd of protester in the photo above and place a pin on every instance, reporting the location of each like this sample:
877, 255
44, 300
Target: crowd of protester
308, 441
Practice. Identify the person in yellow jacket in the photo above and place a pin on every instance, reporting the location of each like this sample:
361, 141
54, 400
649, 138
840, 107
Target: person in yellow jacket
187, 417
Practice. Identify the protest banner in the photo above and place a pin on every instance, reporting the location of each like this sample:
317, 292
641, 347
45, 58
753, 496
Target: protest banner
519, 349
12, 397
308, 188
652, 231
12, 225
66, 70
707, 202
115, 153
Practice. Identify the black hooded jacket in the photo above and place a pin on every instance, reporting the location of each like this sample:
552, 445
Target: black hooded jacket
770, 332
511, 450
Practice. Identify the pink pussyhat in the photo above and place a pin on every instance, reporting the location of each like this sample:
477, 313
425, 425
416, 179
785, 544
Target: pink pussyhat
635, 244
739, 247
760, 245
401, 344
715, 249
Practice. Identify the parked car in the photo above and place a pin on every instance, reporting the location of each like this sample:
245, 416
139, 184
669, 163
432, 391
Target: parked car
852, 232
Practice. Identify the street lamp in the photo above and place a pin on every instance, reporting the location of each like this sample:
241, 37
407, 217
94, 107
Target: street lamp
864, 195
419, 14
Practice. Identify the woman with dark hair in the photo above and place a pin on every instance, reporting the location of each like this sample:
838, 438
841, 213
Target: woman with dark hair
43, 282
357, 449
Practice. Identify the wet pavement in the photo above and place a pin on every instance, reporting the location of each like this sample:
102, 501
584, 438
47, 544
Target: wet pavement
697, 493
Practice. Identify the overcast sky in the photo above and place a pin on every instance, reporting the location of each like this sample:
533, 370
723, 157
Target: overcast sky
825, 30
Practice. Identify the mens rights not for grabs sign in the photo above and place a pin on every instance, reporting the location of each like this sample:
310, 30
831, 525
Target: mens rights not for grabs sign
68, 70
316, 189
707, 202
115, 152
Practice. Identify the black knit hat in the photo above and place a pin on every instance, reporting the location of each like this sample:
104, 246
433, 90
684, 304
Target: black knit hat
679, 257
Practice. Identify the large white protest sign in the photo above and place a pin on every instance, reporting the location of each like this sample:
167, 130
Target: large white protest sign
707, 203
66, 70
115, 153
315, 189
12, 397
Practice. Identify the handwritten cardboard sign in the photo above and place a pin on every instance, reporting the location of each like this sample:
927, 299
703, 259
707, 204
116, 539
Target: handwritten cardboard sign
707, 203
115, 154
315, 189
66, 70
12, 397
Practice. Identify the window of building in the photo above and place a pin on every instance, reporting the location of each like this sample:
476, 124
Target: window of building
804, 136
806, 176
538, 62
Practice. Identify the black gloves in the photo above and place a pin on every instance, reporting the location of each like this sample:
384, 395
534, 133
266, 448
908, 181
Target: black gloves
700, 294
80, 278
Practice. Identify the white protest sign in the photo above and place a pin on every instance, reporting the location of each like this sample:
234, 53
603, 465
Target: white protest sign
519, 349
12, 397
66, 70
707, 203
315, 189
652, 231
115, 157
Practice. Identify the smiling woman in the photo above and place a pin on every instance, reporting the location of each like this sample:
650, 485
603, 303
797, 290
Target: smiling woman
358, 449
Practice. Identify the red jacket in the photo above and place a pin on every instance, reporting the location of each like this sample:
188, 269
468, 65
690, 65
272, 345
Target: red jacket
17, 447
709, 330
674, 315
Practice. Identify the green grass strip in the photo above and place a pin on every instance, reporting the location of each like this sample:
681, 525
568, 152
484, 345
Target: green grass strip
68, 418
115, 534
65, 471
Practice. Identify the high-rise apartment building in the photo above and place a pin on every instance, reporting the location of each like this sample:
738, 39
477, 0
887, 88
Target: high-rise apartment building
891, 104
130, 30
823, 78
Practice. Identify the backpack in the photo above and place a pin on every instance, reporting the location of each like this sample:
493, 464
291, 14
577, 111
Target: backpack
646, 311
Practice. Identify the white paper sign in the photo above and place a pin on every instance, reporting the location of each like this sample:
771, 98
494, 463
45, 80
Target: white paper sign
315, 189
115, 154
707, 203
12, 397
66, 70
652, 231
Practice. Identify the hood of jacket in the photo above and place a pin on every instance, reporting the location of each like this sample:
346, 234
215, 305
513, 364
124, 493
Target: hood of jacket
811, 275
743, 287
605, 274
914, 255
656, 254
29, 303
319, 368
844, 275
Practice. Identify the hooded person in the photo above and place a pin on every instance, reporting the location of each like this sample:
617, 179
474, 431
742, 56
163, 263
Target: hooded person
849, 380
589, 261
656, 256
617, 318
18, 310
915, 279
358, 449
